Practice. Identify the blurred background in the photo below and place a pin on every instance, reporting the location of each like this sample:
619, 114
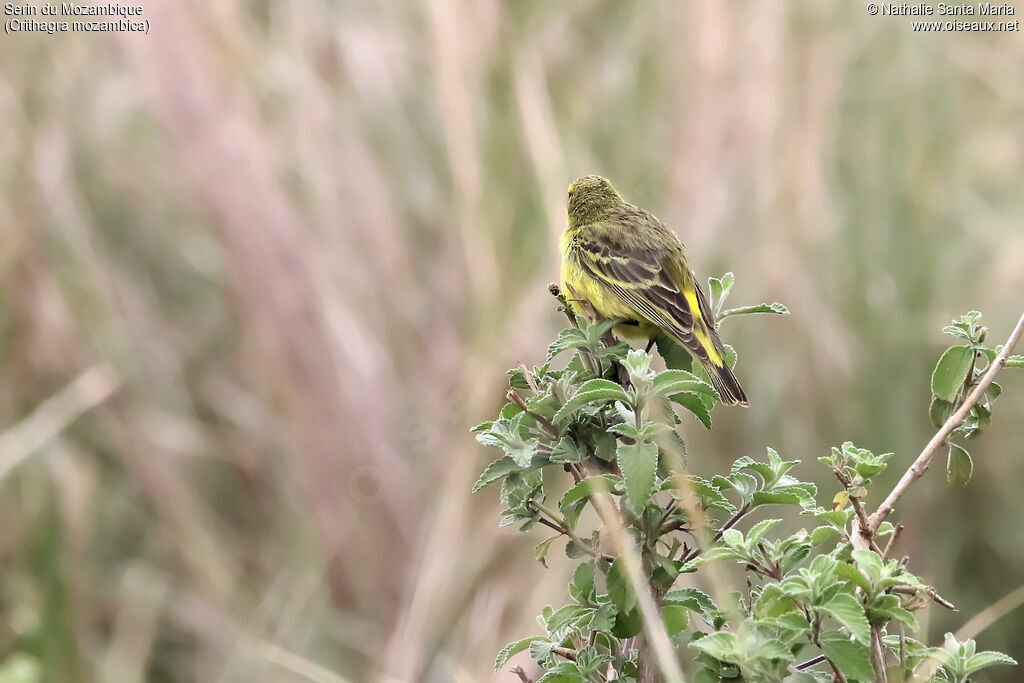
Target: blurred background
261, 270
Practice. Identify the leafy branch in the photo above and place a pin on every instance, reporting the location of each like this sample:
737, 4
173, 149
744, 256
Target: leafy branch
824, 603
956, 420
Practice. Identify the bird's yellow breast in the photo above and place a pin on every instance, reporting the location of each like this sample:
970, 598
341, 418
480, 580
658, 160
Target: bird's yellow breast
578, 284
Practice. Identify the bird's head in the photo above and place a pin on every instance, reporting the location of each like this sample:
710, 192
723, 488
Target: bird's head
590, 197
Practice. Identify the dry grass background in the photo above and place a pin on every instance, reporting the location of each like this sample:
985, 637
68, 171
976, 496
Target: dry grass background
261, 269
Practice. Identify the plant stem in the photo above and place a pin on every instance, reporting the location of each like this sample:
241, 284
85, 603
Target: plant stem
892, 541
518, 671
878, 656
932, 593
565, 652
514, 396
563, 526
810, 662
718, 536
655, 647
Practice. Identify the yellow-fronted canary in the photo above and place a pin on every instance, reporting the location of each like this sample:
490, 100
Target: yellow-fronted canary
628, 264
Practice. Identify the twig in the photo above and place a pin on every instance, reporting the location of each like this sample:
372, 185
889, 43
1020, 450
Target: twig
836, 672
513, 396
931, 592
590, 364
673, 525
919, 466
528, 376
903, 648
565, 652
860, 534
518, 671
863, 530
557, 293
577, 473
718, 536
810, 662
551, 525
892, 541
878, 656
564, 528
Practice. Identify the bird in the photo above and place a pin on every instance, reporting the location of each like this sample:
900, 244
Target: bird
626, 264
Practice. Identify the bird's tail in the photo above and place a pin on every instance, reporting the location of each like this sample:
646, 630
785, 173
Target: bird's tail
725, 383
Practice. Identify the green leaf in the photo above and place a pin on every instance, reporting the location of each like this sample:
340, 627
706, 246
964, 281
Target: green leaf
1015, 361
589, 659
570, 338
628, 624
822, 568
837, 518
985, 659
639, 464
744, 484
710, 496
676, 620
695, 600
713, 555
674, 381
620, 590
774, 307
730, 355
951, 371
734, 539
822, 534
696, 404
540, 550
853, 575
592, 391
575, 616
977, 421
767, 472
886, 607
590, 485
503, 467
720, 645
940, 411
512, 649
565, 450
604, 618
564, 672
604, 446
581, 589
850, 657
507, 434
758, 531
870, 563
807, 677
783, 497
674, 355
994, 390
719, 289
849, 612
959, 466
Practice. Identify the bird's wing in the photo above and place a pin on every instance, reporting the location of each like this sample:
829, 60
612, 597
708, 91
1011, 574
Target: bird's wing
642, 277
